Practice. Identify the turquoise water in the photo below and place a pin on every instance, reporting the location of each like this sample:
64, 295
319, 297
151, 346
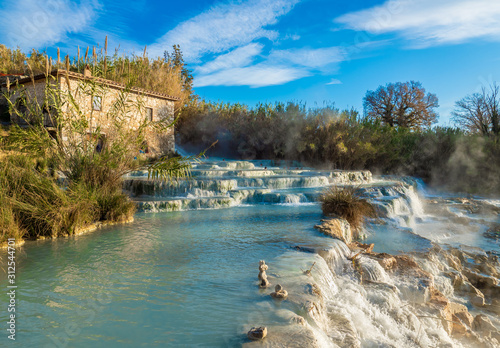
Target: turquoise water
183, 278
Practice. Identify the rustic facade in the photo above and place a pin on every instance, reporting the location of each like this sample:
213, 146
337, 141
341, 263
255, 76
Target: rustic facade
97, 105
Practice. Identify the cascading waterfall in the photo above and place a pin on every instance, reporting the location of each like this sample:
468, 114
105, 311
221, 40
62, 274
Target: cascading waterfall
218, 184
339, 311
398, 202
338, 308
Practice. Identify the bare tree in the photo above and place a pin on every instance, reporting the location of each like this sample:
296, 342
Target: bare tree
402, 105
480, 112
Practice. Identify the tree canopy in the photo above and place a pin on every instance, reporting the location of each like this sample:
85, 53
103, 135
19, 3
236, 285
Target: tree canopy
402, 105
479, 112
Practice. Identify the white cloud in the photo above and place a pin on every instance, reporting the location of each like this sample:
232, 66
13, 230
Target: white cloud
334, 82
230, 31
259, 75
239, 57
429, 22
279, 67
225, 26
37, 24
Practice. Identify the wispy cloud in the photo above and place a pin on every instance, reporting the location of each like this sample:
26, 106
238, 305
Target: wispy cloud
278, 67
225, 26
37, 24
259, 75
429, 22
334, 82
239, 57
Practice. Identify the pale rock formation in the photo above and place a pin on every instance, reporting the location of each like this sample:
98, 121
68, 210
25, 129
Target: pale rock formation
264, 283
483, 324
336, 228
257, 333
279, 292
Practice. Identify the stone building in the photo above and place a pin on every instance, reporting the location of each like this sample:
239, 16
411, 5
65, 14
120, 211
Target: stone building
96, 99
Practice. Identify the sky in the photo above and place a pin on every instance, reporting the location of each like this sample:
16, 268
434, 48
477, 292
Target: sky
315, 52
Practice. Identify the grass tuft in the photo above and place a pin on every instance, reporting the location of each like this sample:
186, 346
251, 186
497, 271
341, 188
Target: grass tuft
346, 203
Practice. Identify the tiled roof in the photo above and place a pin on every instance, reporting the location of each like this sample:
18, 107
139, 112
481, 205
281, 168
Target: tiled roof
12, 78
71, 74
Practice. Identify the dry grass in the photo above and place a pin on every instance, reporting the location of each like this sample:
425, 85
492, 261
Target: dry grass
346, 203
166, 74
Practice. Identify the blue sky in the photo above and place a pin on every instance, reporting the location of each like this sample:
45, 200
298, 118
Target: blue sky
312, 51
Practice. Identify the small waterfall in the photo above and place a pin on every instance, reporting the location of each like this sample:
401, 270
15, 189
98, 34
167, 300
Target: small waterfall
341, 311
259, 182
399, 203
336, 255
372, 271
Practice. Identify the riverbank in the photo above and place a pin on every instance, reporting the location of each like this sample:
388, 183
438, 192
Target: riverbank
35, 203
80, 231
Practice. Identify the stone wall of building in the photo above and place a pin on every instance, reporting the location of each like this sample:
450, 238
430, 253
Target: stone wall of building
160, 140
34, 92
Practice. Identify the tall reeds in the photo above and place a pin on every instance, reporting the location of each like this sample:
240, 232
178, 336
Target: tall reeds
167, 74
33, 202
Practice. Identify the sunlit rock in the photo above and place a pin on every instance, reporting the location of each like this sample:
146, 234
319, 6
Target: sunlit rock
477, 300
483, 324
480, 281
297, 319
459, 329
336, 228
388, 262
257, 333
358, 246
465, 317
279, 292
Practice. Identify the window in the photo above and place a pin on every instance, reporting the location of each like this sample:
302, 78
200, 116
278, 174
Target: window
149, 114
100, 143
4, 113
49, 115
22, 105
97, 103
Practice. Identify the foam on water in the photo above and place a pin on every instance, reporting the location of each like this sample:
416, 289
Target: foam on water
343, 313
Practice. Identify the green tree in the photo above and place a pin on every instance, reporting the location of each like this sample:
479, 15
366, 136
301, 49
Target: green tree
176, 60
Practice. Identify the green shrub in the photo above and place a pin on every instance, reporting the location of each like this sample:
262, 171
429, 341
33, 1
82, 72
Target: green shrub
35, 204
9, 228
32, 204
109, 202
346, 203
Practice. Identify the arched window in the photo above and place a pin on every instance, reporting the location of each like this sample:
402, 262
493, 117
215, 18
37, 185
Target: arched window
97, 103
